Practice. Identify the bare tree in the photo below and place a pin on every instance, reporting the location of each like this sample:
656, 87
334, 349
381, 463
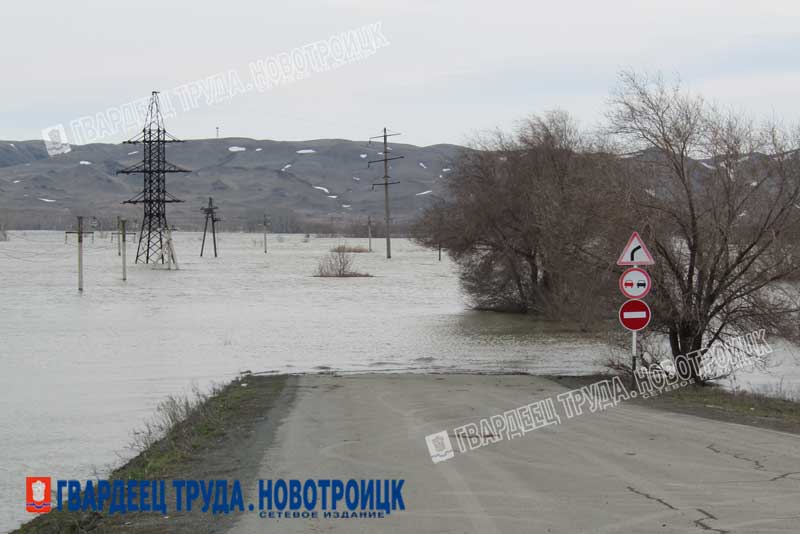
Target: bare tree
338, 263
717, 199
525, 220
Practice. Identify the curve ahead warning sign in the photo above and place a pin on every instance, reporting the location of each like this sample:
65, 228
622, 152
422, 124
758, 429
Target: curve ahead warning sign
634, 315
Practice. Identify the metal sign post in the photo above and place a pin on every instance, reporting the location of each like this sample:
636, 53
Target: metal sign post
635, 284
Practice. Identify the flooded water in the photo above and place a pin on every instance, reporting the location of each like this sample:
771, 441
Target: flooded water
79, 373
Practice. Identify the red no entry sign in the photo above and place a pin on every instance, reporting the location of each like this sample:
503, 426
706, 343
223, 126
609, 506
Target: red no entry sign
634, 315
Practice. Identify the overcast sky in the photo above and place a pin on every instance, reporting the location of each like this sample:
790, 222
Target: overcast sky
452, 67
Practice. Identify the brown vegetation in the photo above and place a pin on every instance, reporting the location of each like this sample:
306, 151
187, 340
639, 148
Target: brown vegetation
338, 264
536, 220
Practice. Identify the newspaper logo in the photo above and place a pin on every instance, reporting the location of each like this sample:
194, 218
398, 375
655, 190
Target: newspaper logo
55, 140
37, 494
439, 446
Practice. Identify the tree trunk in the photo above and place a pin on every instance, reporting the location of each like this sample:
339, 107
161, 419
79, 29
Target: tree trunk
686, 339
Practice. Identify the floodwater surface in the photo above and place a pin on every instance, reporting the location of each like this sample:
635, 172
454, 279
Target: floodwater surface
79, 373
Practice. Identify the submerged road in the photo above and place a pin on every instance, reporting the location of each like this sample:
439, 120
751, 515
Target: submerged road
628, 469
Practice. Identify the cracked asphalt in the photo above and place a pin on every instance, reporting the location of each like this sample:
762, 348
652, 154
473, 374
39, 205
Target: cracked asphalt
628, 469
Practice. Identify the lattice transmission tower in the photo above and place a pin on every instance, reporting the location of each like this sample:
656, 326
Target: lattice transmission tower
154, 196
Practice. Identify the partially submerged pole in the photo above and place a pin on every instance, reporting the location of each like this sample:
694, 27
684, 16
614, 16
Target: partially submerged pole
214, 232
80, 253
369, 231
172, 260
267, 224
122, 236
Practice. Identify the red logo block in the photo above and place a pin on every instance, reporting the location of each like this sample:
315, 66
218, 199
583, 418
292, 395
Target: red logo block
37, 494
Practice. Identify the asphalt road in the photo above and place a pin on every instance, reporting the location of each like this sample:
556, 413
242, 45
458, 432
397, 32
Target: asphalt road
628, 469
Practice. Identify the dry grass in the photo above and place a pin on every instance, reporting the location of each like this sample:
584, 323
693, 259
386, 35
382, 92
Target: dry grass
179, 441
174, 432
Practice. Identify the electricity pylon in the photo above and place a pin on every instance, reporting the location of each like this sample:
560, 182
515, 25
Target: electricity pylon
154, 167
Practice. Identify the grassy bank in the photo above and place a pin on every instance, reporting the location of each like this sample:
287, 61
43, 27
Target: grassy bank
212, 436
714, 402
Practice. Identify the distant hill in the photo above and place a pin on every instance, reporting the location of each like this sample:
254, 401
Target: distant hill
322, 180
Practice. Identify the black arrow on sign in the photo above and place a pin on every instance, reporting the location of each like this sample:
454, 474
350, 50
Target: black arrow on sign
633, 252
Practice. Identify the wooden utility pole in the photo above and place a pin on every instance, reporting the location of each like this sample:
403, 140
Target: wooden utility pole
267, 223
369, 231
80, 253
211, 215
386, 183
124, 247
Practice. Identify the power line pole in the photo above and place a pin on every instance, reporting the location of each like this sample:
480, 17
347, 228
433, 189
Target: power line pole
386, 183
168, 250
369, 231
80, 233
267, 223
211, 215
80, 253
67, 232
117, 234
124, 248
